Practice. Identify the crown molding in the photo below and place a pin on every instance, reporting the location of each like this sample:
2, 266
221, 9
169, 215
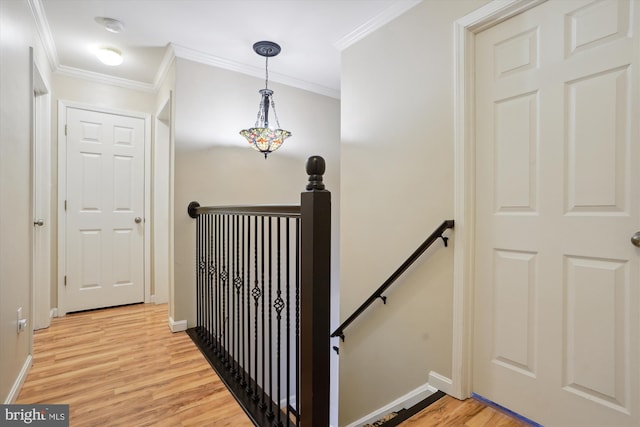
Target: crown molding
214, 61
172, 51
105, 79
44, 31
165, 66
384, 17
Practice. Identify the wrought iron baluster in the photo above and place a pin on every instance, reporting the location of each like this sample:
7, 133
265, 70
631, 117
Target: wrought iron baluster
216, 290
256, 297
269, 296
298, 321
210, 294
207, 300
241, 337
278, 304
263, 403
237, 282
204, 277
288, 327
225, 302
199, 234
231, 296
248, 308
202, 273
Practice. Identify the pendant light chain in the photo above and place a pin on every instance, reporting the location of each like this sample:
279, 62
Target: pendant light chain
260, 116
266, 72
275, 113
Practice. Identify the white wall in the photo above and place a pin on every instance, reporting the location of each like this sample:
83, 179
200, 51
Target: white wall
397, 187
17, 34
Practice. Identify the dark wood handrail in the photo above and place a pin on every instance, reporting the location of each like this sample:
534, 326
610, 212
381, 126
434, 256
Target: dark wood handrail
194, 209
378, 293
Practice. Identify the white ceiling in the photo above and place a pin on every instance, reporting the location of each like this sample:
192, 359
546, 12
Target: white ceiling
217, 32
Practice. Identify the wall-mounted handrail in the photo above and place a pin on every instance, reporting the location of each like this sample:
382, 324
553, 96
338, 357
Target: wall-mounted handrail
437, 234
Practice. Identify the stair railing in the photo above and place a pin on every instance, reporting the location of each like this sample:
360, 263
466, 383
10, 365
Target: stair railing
379, 293
263, 298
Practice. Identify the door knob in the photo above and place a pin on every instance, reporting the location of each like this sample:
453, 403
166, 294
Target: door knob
39, 222
635, 239
138, 220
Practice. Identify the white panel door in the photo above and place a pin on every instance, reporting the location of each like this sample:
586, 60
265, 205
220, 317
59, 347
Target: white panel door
557, 282
104, 210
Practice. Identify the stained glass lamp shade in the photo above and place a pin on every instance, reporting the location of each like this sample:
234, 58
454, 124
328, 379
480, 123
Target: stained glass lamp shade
262, 136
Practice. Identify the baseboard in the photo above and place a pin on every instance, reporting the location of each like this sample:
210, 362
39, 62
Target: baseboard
158, 300
17, 385
441, 382
406, 401
54, 312
177, 325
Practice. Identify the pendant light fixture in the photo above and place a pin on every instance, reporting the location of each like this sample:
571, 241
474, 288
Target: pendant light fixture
264, 137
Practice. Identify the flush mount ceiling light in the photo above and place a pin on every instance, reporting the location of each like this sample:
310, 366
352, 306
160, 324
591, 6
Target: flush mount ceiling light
262, 136
110, 24
109, 56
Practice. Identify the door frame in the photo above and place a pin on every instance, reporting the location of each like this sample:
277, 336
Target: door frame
162, 213
41, 209
62, 192
464, 33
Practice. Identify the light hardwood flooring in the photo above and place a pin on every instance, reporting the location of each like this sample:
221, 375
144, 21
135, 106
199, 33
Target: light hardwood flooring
123, 367
469, 413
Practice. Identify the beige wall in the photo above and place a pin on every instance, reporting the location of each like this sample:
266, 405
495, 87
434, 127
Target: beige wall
397, 187
65, 88
17, 34
215, 166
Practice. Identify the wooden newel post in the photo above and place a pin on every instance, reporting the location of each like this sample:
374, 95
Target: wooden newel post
315, 298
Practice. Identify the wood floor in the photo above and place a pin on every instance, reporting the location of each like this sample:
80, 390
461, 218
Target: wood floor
469, 413
123, 367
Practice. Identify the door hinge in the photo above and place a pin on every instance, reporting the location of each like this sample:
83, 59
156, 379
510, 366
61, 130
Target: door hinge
65, 130
65, 205
65, 280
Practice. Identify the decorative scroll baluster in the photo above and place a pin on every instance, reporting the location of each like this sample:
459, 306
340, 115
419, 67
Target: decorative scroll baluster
210, 242
238, 283
218, 303
248, 308
232, 290
211, 281
256, 297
